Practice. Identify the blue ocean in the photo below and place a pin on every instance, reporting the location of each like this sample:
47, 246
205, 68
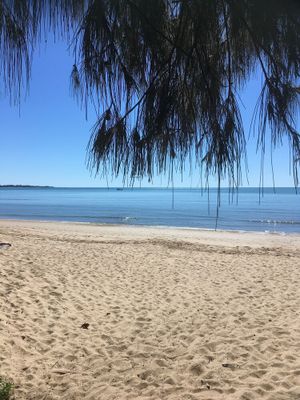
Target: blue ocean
277, 211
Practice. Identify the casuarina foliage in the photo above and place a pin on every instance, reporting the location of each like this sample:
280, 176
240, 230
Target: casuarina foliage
165, 76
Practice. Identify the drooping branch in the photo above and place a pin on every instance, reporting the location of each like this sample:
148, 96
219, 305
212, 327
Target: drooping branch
166, 76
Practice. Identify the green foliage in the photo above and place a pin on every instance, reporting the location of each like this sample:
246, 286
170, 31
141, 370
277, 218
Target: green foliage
165, 76
6, 388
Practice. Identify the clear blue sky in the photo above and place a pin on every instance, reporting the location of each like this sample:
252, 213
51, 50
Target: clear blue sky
44, 142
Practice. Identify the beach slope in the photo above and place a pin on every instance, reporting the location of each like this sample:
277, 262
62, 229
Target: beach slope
114, 312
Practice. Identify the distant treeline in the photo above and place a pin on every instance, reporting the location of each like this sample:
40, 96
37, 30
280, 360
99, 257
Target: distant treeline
25, 186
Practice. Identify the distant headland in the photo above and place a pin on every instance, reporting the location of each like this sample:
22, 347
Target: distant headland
26, 186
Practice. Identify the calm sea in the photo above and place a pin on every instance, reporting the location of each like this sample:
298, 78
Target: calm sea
275, 212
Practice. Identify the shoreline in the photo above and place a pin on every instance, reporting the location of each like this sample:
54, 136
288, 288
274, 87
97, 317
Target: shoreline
158, 227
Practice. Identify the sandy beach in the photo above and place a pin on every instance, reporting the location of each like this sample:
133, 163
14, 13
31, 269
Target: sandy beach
117, 312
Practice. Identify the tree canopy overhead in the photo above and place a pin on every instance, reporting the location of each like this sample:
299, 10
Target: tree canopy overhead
165, 76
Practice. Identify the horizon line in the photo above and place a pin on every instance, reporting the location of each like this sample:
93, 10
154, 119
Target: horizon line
145, 187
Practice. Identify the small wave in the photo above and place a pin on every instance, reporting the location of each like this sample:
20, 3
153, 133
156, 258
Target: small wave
275, 233
274, 222
125, 219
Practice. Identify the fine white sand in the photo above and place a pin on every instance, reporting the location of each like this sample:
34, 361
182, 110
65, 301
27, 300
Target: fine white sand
172, 313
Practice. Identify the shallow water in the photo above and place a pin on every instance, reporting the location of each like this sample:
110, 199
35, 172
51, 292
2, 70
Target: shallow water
275, 212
